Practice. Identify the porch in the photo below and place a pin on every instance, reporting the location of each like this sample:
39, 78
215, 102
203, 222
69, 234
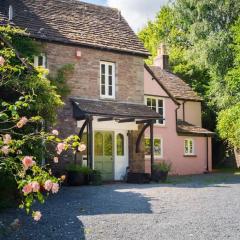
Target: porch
113, 132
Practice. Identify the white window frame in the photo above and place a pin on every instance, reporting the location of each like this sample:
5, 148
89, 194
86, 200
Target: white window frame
161, 145
157, 108
10, 13
188, 152
36, 59
106, 95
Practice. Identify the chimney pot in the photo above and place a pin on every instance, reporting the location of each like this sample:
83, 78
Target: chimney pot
162, 59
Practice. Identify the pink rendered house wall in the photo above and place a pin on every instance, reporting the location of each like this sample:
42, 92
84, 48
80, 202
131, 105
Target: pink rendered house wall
173, 145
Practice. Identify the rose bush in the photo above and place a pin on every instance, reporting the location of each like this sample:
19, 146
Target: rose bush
35, 182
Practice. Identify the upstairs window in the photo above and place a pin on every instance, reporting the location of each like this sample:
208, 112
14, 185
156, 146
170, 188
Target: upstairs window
189, 147
40, 61
157, 105
10, 13
107, 86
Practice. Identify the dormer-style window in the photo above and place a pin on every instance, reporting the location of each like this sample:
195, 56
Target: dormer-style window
40, 61
10, 13
107, 80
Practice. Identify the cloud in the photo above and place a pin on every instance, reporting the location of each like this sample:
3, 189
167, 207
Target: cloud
137, 12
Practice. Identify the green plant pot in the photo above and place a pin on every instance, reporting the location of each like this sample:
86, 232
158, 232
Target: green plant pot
95, 178
76, 178
163, 176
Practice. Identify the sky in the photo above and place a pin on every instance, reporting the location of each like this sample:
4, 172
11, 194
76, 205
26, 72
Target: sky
136, 12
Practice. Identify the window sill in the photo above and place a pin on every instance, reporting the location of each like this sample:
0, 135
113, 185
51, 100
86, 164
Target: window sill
193, 155
156, 157
108, 98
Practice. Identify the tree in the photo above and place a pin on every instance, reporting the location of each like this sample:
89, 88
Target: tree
26, 99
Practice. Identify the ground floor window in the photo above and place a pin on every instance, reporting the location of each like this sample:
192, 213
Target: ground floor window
158, 149
189, 147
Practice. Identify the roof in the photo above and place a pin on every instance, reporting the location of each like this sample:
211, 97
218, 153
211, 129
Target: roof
84, 107
174, 85
74, 22
185, 128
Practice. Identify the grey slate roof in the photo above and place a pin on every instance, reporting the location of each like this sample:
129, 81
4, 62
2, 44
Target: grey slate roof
113, 109
185, 128
74, 22
175, 85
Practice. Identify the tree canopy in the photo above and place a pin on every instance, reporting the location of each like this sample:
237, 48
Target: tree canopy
203, 43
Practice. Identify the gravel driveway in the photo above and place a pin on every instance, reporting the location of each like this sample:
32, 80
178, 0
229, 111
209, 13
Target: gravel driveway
200, 207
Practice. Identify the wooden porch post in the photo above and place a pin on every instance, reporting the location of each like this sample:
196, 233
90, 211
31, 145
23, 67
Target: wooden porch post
90, 143
152, 146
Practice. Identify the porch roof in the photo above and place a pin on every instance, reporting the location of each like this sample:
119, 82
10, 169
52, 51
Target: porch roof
185, 128
85, 107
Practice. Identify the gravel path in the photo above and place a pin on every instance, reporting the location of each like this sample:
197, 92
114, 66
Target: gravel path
203, 208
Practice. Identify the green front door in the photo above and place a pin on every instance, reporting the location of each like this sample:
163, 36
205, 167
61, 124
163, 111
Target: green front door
103, 154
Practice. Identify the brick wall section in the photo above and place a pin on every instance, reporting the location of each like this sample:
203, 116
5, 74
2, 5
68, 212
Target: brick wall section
84, 82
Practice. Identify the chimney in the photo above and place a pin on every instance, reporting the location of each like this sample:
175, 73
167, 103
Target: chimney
162, 59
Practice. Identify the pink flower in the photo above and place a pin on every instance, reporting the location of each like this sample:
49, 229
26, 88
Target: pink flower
81, 147
28, 162
7, 139
55, 132
5, 150
27, 188
35, 186
60, 147
48, 185
2, 61
55, 159
22, 122
55, 187
37, 215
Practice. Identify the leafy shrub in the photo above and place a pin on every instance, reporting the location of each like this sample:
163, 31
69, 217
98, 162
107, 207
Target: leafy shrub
78, 168
162, 167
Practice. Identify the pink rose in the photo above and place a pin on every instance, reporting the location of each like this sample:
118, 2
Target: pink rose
2, 61
48, 185
55, 187
81, 147
28, 162
22, 122
60, 147
27, 188
55, 132
55, 159
37, 215
5, 150
35, 186
7, 139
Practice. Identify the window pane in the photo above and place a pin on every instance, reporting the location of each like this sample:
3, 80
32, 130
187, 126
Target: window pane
190, 146
40, 61
103, 89
110, 71
160, 111
154, 103
110, 90
102, 68
157, 147
120, 145
186, 147
147, 146
160, 103
98, 144
108, 146
149, 102
103, 79
110, 80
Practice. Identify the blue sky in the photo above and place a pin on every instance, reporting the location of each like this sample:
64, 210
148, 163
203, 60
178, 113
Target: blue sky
136, 12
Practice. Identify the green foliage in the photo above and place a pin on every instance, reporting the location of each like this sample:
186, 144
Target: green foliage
16, 79
229, 125
60, 79
78, 168
162, 167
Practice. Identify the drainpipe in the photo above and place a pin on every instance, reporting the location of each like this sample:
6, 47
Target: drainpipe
207, 153
184, 110
176, 114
